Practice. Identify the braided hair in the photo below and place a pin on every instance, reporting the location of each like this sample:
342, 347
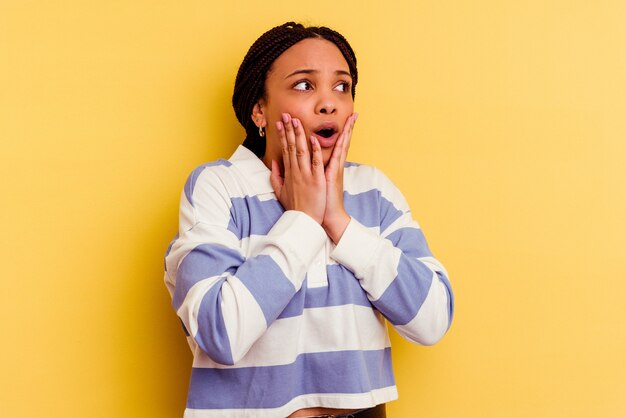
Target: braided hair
250, 81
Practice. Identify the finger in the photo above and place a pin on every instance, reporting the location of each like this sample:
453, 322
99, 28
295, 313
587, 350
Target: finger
344, 144
302, 150
275, 179
317, 159
348, 136
283, 143
291, 141
335, 157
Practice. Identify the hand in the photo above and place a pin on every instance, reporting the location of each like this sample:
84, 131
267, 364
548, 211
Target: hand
336, 218
303, 186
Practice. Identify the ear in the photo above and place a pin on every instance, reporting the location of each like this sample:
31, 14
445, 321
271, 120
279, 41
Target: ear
258, 114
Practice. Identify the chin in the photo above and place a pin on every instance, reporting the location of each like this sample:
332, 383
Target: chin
326, 156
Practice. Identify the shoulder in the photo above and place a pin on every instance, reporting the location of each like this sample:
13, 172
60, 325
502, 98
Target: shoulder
366, 177
242, 175
356, 173
205, 174
363, 178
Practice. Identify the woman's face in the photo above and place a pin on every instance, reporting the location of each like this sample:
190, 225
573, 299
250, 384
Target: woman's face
311, 81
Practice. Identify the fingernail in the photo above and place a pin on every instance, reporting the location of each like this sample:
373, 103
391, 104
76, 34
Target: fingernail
295, 122
285, 117
279, 126
356, 116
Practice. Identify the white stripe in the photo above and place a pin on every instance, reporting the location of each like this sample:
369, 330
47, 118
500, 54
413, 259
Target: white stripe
243, 317
403, 221
254, 244
329, 400
227, 178
359, 180
200, 233
265, 197
212, 184
294, 242
186, 214
219, 177
431, 321
434, 264
382, 271
329, 329
316, 273
193, 345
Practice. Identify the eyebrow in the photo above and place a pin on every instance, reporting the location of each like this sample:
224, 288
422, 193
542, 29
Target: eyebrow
311, 71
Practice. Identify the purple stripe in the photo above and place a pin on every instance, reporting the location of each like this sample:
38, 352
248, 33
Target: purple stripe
413, 244
296, 304
404, 296
251, 216
388, 213
411, 241
350, 164
371, 209
212, 336
342, 289
204, 261
268, 285
347, 372
190, 184
363, 207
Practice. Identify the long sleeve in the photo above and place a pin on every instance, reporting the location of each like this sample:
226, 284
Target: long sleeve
279, 318
227, 300
392, 261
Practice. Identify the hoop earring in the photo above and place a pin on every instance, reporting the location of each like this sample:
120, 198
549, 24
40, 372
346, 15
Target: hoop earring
261, 132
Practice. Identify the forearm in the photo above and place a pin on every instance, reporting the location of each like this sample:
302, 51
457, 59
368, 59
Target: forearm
227, 301
402, 281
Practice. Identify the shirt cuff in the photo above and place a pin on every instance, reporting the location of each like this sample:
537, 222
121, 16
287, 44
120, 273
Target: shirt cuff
357, 248
295, 235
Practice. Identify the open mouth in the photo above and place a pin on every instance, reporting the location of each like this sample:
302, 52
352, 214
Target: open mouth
325, 133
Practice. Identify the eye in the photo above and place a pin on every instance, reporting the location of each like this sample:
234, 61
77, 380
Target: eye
344, 86
303, 85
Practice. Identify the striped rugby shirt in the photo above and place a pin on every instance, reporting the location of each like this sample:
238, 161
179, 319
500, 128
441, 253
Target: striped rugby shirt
277, 316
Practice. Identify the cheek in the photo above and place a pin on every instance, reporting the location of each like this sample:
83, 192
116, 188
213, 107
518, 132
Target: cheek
348, 107
296, 108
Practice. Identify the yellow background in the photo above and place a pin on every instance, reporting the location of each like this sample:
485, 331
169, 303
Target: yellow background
503, 122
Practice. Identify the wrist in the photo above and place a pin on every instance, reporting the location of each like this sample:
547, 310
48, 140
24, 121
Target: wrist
336, 225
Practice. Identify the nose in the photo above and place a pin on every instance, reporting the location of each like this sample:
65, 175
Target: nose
326, 105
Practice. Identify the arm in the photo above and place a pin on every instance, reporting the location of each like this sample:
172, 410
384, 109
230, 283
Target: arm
397, 270
225, 300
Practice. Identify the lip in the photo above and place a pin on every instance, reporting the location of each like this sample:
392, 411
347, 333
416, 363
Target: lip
330, 141
327, 142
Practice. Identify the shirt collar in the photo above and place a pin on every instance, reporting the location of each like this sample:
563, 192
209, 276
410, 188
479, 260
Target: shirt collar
255, 172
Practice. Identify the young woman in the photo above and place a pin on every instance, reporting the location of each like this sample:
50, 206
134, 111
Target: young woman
289, 259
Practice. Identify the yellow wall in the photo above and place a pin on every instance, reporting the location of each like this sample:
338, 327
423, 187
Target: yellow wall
504, 122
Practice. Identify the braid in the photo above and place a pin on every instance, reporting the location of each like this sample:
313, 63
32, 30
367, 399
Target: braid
250, 80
